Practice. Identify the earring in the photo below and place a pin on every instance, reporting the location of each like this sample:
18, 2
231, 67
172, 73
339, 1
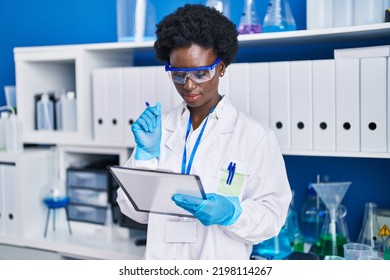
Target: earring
221, 74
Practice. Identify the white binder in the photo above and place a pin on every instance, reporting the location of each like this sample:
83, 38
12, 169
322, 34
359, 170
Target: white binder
388, 104
373, 75
280, 102
99, 102
301, 105
164, 88
11, 214
131, 101
348, 105
115, 106
324, 132
2, 198
259, 91
239, 85
224, 87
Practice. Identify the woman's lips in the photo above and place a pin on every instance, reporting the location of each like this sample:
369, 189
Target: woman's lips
191, 97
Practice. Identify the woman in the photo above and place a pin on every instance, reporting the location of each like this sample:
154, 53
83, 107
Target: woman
238, 159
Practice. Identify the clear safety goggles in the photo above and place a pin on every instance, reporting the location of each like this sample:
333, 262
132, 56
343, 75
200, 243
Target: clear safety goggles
197, 75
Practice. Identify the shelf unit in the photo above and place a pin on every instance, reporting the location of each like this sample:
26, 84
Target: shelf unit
71, 67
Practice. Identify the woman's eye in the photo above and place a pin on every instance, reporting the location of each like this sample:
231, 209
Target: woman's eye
200, 74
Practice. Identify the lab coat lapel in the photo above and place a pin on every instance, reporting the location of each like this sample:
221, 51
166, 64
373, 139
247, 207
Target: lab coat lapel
175, 137
223, 128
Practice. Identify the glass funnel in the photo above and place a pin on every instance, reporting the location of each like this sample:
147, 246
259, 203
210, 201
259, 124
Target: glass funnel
334, 234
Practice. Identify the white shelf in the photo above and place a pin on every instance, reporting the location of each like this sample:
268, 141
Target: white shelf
302, 37
336, 154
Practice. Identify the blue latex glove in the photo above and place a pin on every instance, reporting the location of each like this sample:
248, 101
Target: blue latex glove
215, 210
147, 133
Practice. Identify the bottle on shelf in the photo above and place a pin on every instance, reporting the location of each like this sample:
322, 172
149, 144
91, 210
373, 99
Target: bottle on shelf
249, 22
13, 139
343, 13
369, 233
58, 109
69, 112
278, 17
4, 115
45, 113
313, 215
136, 20
319, 14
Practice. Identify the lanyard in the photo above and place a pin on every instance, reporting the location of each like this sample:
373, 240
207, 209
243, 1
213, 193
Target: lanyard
185, 170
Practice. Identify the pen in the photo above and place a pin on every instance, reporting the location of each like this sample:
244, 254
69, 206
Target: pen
233, 172
230, 172
147, 104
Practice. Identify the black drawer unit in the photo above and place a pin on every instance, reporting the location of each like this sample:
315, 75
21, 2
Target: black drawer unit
89, 191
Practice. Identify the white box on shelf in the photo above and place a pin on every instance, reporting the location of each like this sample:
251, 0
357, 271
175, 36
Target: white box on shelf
259, 91
301, 105
348, 105
373, 76
239, 85
375, 51
324, 107
279, 86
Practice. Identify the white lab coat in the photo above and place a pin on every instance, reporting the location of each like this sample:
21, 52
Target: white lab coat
264, 191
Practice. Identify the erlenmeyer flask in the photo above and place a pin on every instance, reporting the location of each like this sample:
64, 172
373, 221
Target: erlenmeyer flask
249, 22
334, 233
369, 233
275, 248
278, 17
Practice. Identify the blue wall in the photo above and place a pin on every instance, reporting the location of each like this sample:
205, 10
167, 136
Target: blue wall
56, 22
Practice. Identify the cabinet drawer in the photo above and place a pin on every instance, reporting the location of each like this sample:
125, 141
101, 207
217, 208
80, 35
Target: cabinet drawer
88, 179
87, 196
90, 214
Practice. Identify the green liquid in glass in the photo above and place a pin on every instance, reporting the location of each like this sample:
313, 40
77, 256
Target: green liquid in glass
324, 245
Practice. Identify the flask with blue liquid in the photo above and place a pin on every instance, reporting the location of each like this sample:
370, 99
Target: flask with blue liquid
249, 22
278, 17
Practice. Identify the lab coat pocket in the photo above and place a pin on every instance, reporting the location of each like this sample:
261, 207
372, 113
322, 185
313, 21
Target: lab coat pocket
232, 178
181, 230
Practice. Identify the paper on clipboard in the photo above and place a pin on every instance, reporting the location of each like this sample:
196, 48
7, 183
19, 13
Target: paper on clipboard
151, 190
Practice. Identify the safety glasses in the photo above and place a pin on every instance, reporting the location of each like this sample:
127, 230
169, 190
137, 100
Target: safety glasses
197, 75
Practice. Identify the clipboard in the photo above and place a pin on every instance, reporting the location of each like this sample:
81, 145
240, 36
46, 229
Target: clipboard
151, 190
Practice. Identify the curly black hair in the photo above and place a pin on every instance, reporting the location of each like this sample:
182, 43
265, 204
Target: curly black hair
196, 24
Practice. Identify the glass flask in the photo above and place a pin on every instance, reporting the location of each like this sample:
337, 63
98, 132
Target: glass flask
293, 229
222, 6
249, 22
313, 214
369, 233
278, 17
288, 240
334, 233
275, 248
386, 248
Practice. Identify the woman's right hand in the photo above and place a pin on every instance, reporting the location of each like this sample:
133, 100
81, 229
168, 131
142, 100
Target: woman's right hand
147, 133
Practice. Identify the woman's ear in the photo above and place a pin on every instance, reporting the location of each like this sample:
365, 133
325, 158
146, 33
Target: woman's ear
222, 68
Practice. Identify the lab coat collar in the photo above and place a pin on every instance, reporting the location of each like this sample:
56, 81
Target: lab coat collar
226, 115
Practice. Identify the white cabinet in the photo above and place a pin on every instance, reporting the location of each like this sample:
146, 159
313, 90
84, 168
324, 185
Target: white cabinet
24, 177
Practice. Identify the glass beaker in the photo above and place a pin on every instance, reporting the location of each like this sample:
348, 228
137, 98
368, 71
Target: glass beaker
369, 233
278, 17
249, 22
334, 233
